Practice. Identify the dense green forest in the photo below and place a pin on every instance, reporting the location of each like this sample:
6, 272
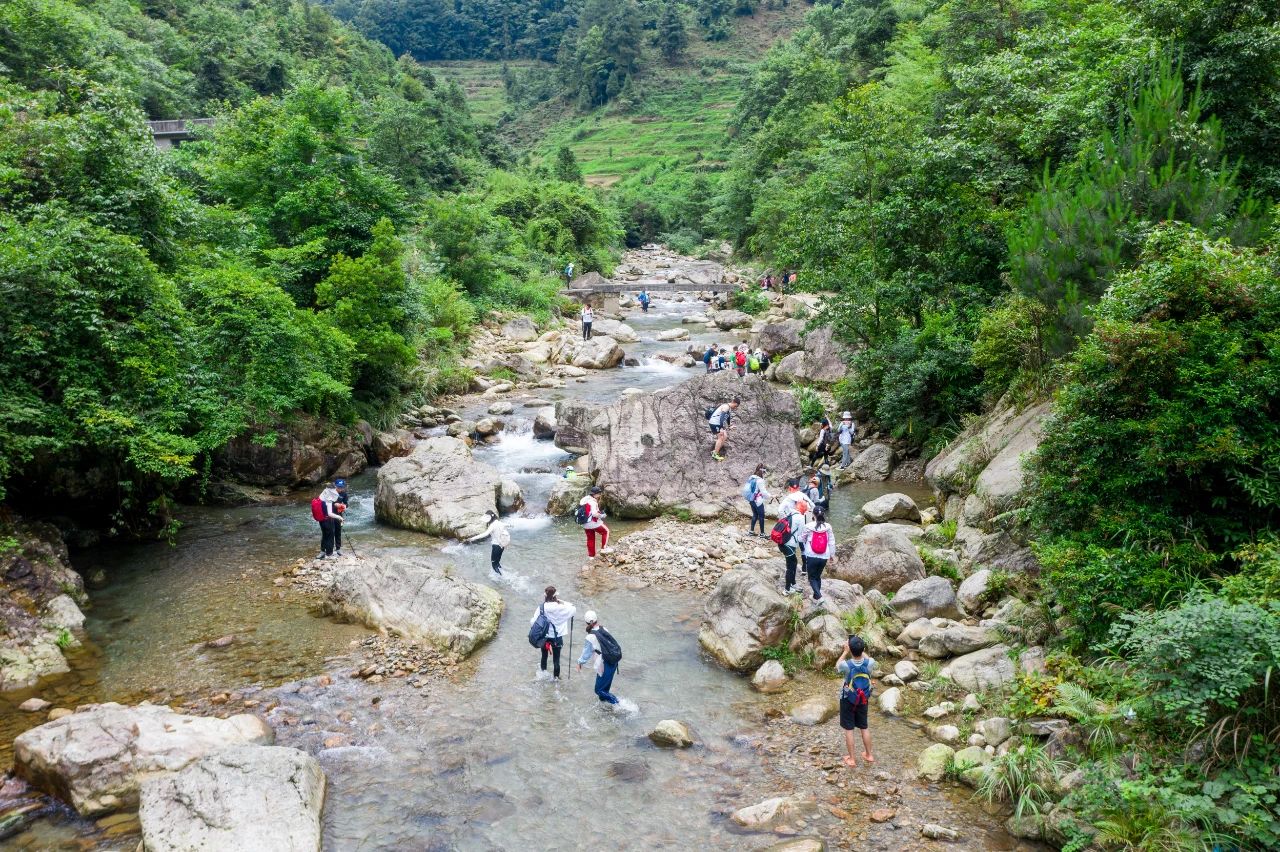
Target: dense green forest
325, 249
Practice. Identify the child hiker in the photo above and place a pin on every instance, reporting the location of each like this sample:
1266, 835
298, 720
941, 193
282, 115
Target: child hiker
855, 697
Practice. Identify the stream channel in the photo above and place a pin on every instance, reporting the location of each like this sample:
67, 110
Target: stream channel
496, 759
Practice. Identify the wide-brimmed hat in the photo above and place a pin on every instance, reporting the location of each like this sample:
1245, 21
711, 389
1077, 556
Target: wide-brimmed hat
846, 416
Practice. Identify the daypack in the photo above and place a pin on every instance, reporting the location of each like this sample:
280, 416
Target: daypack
707, 413
540, 627
610, 650
582, 514
781, 530
749, 490
740, 359
754, 364
857, 686
818, 541
317, 510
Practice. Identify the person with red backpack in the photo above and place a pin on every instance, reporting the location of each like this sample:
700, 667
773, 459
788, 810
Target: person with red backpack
324, 513
740, 360
784, 534
855, 697
819, 546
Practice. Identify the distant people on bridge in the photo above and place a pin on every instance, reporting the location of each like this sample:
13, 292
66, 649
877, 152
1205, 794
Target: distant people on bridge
643, 299
568, 274
588, 316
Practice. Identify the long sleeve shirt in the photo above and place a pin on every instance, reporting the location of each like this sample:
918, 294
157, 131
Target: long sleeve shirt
591, 648
497, 532
329, 496
558, 615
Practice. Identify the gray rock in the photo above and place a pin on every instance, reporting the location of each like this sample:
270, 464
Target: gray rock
995, 730
779, 338
745, 614
501, 407
989, 668
566, 494
728, 320
770, 677
392, 445
673, 334
437, 489
619, 331
933, 831
891, 701
874, 464
815, 710
670, 733
937, 711
510, 497
544, 427
825, 359
927, 597
957, 640
882, 557
771, 813
598, 353
416, 600
520, 329
973, 591
246, 797
891, 507
1000, 441
932, 762
1029, 826
945, 733
906, 670
789, 369
96, 759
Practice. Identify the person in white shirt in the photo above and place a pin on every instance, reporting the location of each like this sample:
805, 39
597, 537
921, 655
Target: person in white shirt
848, 431
791, 545
559, 622
721, 421
593, 651
588, 316
819, 542
498, 535
787, 504
757, 495
595, 523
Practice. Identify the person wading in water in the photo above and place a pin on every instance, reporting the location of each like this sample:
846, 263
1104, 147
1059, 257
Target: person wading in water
559, 615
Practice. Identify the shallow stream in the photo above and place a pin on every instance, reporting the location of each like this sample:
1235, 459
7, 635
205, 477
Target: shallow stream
503, 759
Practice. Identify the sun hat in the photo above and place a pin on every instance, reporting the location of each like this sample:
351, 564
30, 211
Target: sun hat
846, 416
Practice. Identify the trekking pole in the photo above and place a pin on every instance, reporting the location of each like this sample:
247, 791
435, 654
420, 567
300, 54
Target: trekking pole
569, 669
347, 539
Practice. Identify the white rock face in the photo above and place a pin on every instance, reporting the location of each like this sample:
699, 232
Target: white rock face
770, 677
437, 489
891, 701
416, 600
247, 797
906, 670
96, 759
928, 597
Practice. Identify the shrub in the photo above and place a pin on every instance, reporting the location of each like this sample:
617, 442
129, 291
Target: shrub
751, 301
809, 404
1022, 777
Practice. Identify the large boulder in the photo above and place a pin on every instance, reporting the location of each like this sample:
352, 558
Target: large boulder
391, 445
246, 797
956, 640
788, 370
815, 710
891, 507
651, 453
96, 759
437, 489
824, 357
671, 733
928, 597
990, 668
520, 329
566, 494
573, 420
932, 763
416, 600
598, 353
882, 557
619, 331
305, 451
779, 338
770, 677
744, 615
987, 459
874, 464
974, 590
729, 320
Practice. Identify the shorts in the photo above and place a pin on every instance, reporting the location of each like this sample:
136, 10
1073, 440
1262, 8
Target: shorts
715, 430
853, 717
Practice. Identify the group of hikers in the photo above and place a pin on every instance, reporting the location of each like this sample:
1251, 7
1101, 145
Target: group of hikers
743, 359
552, 622
784, 282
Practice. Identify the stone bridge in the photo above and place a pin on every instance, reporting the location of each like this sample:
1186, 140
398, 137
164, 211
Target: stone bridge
694, 277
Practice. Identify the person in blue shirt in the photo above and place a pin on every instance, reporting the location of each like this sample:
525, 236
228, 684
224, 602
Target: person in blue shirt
855, 697
644, 300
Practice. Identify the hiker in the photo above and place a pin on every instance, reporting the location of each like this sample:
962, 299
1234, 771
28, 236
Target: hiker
592, 520
587, 316
757, 495
499, 536
848, 431
322, 509
722, 360
824, 445
740, 360
721, 421
559, 615
339, 485
787, 504
784, 534
768, 281
606, 652
824, 487
753, 362
644, 300
568, 274
813, 493
764, 360
709, 355
819, 546
855, 697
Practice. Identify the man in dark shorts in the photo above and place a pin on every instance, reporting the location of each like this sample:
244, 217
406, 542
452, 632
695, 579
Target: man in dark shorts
855, 697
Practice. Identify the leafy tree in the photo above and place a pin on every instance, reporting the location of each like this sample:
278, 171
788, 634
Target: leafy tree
672, 38
566, 166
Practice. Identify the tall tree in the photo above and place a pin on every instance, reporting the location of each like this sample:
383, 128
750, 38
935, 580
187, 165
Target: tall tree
672, 38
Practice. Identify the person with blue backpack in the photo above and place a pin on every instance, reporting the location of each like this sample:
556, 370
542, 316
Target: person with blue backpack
756, 495
643, 298
551, 622
855, 697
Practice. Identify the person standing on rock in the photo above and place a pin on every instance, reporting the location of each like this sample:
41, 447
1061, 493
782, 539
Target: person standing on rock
329, 520
757, 495
568, 273
710, 355
790, 545
499, 537
604, 650
855, 697
559, 616
594, 524
340, 507
825, 444
721, 421
588, 316
848, 431
819, 542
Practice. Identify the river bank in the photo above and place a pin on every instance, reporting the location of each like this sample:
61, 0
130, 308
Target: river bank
487, 754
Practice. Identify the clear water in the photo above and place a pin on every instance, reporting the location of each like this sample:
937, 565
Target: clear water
505, 758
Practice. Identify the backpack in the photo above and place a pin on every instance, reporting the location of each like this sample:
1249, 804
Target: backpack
749, 490
706, 359
540, 627
857, 686
740, 359
581, 514
707, 413
754, 364
609, 647
317, 510
781, 530
818, 541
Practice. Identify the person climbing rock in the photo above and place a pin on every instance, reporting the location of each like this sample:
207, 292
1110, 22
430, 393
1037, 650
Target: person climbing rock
559, 616
824, 444
757, 495
604, 650
322, 509
848, 431
340, 507
588, 316
721, 421
499, 537
709, 356
819, 542
855, 697
593, 524
788, 529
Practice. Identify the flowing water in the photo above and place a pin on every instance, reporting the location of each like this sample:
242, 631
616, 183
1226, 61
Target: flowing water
502, 759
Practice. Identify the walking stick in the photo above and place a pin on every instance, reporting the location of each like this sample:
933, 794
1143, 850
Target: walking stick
570, 660
352, 546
